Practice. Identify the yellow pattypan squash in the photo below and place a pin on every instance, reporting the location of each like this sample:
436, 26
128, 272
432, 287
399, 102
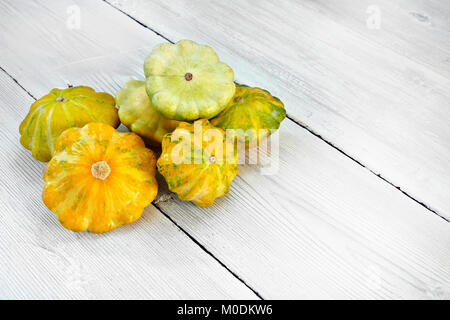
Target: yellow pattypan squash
254, 111
138, 114
99, 178
60, 110
186, 81
198, 162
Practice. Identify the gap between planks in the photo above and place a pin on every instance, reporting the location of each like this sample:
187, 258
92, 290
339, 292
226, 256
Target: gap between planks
317, 135
208, 252
167, 216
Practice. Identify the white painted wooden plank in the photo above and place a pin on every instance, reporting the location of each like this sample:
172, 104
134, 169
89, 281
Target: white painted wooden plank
322, 227
149, 259
381, 96
418, 30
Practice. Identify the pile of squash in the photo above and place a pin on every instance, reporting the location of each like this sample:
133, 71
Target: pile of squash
98, 178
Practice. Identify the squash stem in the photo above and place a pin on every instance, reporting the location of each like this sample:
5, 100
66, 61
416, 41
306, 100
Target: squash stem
100, 170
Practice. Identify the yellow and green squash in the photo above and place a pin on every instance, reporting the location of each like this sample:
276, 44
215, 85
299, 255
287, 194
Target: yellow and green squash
198, 162
99, 178
61, 109
253, 110
186, 81
138, 114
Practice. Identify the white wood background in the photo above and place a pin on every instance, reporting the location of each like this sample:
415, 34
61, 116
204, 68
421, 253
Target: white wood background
360, 207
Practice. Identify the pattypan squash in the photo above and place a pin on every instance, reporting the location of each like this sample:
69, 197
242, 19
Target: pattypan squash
99, 178
59, 110
138, 114
253, 110
198, 162
186, 81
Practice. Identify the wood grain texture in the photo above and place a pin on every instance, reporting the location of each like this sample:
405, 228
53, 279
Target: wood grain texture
323, 227
380, 95
149, 259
